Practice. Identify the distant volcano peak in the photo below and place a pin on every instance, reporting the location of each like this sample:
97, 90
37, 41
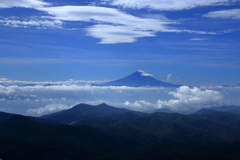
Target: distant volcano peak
138, 79
144, 73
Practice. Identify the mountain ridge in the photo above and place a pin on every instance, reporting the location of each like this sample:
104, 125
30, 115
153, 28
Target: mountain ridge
124, 136
83, 112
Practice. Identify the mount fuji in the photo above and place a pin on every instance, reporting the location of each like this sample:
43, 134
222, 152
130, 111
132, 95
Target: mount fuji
138, 79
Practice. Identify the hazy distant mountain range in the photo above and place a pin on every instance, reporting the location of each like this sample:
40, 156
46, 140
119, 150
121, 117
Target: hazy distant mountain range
236, 85
103, 132
138, 79
85, 112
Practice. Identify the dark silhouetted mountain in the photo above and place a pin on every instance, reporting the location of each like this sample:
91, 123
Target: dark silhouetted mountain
23, 139
188, 150
225, 118
173, 126
21, 127
126, 136
138, 79
84, 112
5, 116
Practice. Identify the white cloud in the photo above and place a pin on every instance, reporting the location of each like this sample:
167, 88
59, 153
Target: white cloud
167, 4
186, 99
17, 83
83, 88
144, 73
36, 95
41, 24
140, 105
197, 39
50, 108
113, 26
7, 90
224, 14
129, 98
64, 90
105, 15
231, 30
22, 3
3, 79
110, 25
169, 77
111, 34
192, 98
2, 99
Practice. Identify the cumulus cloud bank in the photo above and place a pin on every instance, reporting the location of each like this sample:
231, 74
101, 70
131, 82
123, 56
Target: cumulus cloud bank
38, 98
186, 98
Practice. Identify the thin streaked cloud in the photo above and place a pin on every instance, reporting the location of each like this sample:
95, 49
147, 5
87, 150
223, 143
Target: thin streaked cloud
167, 5
224, 14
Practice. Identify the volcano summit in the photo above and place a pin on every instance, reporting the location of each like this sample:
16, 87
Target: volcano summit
138, 79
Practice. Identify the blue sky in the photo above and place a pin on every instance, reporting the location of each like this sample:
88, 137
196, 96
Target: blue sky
197, 42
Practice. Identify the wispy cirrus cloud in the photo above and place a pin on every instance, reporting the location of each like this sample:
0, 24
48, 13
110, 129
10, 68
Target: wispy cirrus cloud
23, 3
26, 23
197, 39
224, 14
167, 5
111, 34
110, 24
113, 26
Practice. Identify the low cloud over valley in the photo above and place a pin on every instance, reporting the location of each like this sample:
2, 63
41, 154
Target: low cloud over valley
39, 98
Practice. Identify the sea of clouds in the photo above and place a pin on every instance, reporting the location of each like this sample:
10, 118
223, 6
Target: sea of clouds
39, 98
